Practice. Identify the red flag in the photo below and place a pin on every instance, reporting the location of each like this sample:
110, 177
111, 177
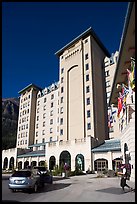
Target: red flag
119, 105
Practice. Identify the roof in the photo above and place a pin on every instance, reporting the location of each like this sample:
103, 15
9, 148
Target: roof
32, 154
126, 51
89, 31
108, 145
29, 86
37, 145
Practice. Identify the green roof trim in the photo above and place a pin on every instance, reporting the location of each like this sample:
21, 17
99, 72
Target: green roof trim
32, 154
108, 145
37, 145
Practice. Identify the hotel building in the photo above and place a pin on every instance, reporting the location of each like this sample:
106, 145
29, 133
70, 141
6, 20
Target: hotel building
61, 123
68, 121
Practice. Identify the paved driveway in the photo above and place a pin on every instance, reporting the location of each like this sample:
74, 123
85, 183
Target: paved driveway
85, 188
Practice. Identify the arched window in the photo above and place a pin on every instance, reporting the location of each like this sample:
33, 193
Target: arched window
100, 165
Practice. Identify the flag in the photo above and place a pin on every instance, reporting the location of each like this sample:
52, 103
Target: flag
118, 85
109, 124
110, 120
131, 75
124, 92
129, 85
132, 80
113, 115
120, 105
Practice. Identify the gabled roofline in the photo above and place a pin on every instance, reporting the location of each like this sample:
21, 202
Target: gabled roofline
89, 31
29, 86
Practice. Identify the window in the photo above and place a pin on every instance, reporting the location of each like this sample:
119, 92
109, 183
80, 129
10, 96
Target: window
116, 58
108, 94
107, 83
26, 126
43, 140
88, 113
111, 60
43, 132
37, 110
44, 124
25, 141
61, 131
61, 121
51, 113
88, 101
38, 103
51, 104
36, 141
86, 56
61, 100
44, 107
37, 118
50, 139
87, 66
44, 100
62, 78
86, 40
51, 130
89, 126
37, 125
52, 96
44, 115
61, 110
100, 165
62, 70
87, 89
36, 134
87, 77
51, 121
107, 73
62, 89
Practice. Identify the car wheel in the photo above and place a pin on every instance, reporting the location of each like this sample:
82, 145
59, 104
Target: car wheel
51, 181
13, 190
42, 184
35, 187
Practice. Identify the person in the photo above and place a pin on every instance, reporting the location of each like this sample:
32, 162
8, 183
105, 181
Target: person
66, 169
123, 183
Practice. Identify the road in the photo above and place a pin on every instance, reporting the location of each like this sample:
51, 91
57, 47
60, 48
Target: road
85, 188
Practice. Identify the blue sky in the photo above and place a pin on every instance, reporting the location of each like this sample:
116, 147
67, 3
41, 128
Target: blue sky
32, 32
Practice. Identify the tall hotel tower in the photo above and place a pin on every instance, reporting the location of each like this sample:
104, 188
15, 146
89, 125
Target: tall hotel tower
82, 100
63, 122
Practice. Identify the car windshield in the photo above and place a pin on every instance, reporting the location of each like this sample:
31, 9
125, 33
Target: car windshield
22, 174
40, 168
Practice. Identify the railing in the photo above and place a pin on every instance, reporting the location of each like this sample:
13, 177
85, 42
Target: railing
52, 144
61, 142
80, 140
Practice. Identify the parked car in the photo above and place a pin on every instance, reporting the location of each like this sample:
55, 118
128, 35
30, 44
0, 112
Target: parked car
24, 180
45, 175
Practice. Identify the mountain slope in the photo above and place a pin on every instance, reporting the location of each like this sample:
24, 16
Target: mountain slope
10, 111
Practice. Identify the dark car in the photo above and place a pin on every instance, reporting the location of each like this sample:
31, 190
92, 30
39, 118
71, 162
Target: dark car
45, 175
24, 180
